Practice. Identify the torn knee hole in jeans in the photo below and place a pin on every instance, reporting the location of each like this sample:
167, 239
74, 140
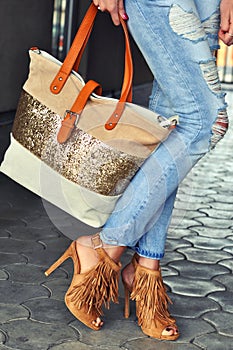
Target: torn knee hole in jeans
186, 24
219, 128
210, 74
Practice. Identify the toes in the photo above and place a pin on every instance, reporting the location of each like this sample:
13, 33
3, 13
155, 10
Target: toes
170, 331
98, 322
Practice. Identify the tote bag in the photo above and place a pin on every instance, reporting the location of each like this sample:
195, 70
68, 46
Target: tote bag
73, 147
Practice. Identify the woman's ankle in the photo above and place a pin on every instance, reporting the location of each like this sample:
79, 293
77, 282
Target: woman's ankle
93, 242
114, 252
149, 263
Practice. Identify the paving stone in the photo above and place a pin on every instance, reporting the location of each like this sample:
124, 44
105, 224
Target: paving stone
188, 214
114, 332
10, 312
46, 257
192, 287
190, 205
195, 199
169, 271
179, 233
28, 335
58, 244
222, 321
217, 342
199, 270
216, 223
57, 287
229, 249
15, 214
80, 346
2, 337
226, 280
30, 274
223, 198
11, 258
222, 206
207, 257
208, 243
227, 263
48, 310
6, 223
204, 181
15, 245
218, 213
212, 232
191, 307
11, 293
152, 344
171, 256
71, 346
116, 311
32, 234
173, 244
4, 234
179, 222
192, 328
3, 275
5, 205
199, 191
224, 299
4, 347
41, 222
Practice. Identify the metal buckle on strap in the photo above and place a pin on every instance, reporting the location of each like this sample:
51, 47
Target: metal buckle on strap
71, 114
96, 241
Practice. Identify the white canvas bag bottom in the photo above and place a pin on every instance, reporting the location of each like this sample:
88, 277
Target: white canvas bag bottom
29, 171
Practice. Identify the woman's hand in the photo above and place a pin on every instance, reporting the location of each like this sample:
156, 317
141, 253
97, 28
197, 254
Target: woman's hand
226, 25
114, 7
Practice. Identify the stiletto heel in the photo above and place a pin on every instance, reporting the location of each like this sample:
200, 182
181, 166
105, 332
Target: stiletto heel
90, 290
127, 302
66, 255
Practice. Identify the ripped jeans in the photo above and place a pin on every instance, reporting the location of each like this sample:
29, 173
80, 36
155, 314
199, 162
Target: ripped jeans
177, 38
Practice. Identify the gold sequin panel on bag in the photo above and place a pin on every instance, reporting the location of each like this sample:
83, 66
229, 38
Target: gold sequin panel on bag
83, 159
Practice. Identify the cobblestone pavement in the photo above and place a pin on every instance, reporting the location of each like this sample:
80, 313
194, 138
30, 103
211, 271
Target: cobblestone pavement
197, 269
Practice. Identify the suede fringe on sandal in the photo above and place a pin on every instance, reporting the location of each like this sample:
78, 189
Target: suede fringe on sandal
152, 301
90, 290
150, 294
98, 287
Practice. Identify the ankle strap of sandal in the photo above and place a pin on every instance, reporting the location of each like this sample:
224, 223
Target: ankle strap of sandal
96, 241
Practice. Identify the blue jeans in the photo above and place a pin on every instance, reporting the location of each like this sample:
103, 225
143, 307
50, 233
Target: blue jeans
177, 38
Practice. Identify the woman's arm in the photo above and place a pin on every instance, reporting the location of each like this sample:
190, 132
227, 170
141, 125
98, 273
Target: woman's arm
226, 26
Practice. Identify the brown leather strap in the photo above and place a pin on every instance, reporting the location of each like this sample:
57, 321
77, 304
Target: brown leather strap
77, 62
74, 56
126, 92
77, 45
72, 115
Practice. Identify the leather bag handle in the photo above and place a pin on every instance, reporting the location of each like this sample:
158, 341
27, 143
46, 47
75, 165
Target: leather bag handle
74, 56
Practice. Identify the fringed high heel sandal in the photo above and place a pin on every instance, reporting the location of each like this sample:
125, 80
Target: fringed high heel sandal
90, 290
149, 292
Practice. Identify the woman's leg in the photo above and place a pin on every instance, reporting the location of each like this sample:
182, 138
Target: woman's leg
209, 16
181, 61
